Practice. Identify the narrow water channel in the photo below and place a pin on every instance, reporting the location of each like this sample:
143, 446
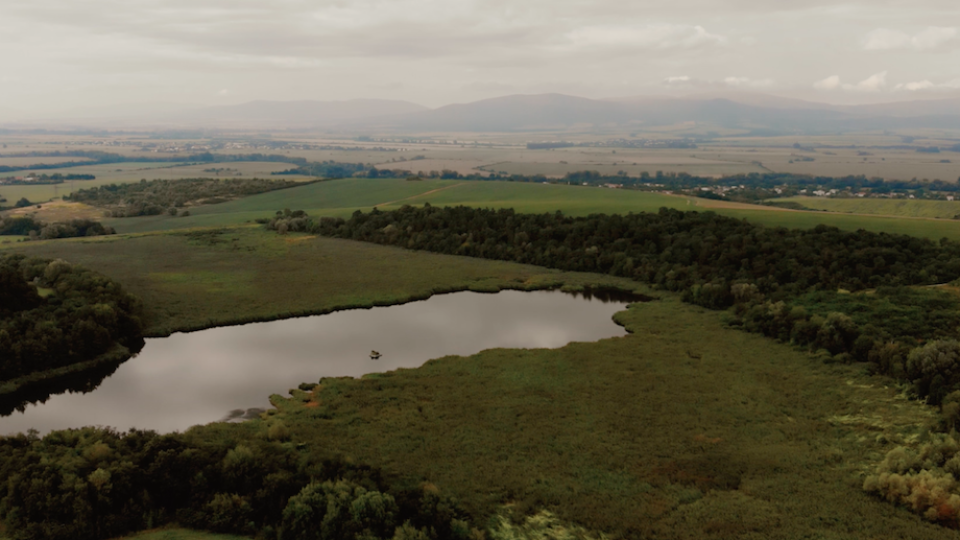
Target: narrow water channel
229, 372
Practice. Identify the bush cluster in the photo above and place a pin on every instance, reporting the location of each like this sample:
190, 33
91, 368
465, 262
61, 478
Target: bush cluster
156, 197
94, 483
932, 369
83, 315
19, 226
923, 480
37, 230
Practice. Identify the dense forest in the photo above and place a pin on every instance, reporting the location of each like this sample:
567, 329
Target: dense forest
778, 281
155, 197
35, 229
94, 483
54, 314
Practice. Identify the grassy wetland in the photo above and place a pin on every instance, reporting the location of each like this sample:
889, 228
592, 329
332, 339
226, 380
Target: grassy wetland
685, 428
199, 279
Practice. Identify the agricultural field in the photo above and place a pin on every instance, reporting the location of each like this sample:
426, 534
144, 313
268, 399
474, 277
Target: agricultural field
890, 164
682, 429
106, 174
912, 208
854, 155
117, 173
57, 210
28, 161
340, 198
336, 198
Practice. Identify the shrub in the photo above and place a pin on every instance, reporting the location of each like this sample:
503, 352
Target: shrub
935, 369
924, 481
337, 511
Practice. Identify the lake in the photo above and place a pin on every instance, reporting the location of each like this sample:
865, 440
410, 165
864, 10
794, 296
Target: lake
229, 372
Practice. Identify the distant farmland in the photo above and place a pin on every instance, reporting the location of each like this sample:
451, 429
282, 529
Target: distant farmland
917, 208
340, 198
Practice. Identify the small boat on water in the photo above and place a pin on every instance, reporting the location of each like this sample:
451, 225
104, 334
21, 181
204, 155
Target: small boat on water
374, 355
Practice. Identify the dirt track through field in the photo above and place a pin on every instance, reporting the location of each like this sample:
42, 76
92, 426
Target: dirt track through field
431, 192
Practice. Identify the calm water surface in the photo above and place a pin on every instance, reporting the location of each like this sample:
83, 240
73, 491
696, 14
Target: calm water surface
221, 373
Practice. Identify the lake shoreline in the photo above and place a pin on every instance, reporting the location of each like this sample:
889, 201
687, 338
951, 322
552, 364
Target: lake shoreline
589, 289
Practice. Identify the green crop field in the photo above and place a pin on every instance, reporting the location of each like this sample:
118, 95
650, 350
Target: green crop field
340, 198
332, 198
915, 208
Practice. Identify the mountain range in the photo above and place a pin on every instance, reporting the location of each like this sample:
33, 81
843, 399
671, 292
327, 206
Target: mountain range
758, 113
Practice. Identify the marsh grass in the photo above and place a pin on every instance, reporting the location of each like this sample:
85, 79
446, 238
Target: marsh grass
199, 279
682, 429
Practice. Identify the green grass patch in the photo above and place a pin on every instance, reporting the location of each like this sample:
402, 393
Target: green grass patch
915, 208
340, 198
199, 279
181, 534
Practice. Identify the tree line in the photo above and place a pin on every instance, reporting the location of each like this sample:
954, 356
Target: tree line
35, 229
79, 316
56, 178
766, 274
94, 483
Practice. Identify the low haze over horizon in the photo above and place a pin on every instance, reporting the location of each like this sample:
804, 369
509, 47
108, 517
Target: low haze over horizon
99, 56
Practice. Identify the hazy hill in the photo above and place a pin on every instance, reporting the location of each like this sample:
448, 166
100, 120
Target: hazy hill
756, 112
916, 108
509, 113
293, 114
754, 99
552, 111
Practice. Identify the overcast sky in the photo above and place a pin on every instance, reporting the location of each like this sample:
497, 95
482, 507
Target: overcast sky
64, 54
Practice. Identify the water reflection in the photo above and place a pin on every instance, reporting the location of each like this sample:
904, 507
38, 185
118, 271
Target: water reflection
228, 373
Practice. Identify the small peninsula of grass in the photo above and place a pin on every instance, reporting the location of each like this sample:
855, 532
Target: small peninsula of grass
201, 279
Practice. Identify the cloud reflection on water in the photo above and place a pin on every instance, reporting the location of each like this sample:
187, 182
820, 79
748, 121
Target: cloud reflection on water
200, 377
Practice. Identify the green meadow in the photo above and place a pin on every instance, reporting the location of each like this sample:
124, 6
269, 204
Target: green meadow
340, 198
913, 208
194, 280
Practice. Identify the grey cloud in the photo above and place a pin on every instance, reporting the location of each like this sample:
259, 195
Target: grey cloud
437, 51
932, 37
